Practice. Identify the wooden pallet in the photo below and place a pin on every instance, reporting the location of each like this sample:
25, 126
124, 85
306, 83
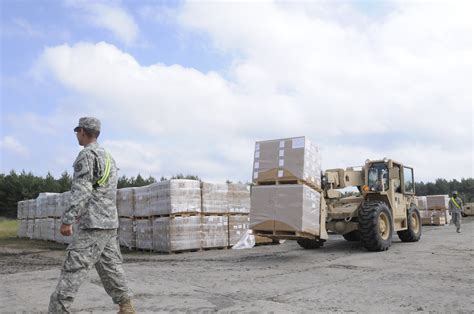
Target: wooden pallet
286, 182
288, 235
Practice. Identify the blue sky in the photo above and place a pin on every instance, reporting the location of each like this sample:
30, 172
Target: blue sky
188, 87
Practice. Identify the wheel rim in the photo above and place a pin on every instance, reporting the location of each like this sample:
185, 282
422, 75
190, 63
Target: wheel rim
415, 223
384, 226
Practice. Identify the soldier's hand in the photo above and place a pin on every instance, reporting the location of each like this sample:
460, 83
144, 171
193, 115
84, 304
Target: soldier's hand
66, 230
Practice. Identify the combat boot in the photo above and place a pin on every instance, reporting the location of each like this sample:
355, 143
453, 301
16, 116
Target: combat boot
126, 308
458, 230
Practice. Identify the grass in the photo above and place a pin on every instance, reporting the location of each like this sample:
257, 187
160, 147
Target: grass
8, 238
8, 228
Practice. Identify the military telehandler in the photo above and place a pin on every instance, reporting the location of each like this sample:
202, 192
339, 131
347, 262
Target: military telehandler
385, 203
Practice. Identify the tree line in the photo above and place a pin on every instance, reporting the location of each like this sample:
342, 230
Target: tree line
15, 187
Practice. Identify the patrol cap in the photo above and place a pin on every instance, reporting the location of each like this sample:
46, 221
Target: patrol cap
88, 123
455, 193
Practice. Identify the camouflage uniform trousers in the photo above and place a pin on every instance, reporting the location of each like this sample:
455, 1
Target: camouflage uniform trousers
90, 247
456, 219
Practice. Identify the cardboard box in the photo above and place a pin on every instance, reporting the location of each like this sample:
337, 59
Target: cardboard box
437, 201
469, 209
171, 234
288, 207
126, 202
215, 231
287, 159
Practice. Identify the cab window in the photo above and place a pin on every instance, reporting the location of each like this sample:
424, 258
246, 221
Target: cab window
378, 177
408, 180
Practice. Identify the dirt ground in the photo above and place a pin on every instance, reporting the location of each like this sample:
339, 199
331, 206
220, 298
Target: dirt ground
433, 275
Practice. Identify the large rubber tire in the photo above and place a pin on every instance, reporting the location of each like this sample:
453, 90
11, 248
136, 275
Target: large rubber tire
309, 244
375, 226
353, 236
413, 233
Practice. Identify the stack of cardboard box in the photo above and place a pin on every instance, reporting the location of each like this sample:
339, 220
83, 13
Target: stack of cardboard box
287, 178
435, 211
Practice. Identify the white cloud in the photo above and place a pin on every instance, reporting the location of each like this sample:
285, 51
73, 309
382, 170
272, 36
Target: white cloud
399, 86
134, 157
11, 145
110, 16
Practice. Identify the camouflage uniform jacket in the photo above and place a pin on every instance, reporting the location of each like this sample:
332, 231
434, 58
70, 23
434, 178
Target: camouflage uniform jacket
453, 208
93, 205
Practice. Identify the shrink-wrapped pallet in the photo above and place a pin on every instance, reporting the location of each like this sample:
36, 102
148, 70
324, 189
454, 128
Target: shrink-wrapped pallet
64, 201
20, 210
38, 226
22, 228
46, 204
48, 232
144, 234
127, 233
215, 231
222, 198
437, 201
215, 198
422, 205
288, 207
126, 202
238, 196
30, 207
238, 226
172, 234
30, 227
142, 201
287, 159
177, 196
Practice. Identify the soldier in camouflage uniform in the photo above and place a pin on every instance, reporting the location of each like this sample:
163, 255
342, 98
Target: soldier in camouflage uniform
455, 209
93, 207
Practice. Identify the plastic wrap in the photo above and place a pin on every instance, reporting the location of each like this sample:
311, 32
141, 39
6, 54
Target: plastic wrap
176, 196
22, 228
127, 233
214, 231
422, 204
21, 210
238, 197
246, 241
172, 234
288, 207
142, 201
437, 201
30, 207
30, 226
64, 201
287, 159
222, 198
144, 234
214, 198
126, 202
46, 204
238, 226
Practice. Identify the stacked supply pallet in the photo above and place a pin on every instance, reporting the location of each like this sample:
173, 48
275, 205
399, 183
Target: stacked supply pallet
437, 212
160, 209
469, 209
169, 216
286, 197
224, 205
127, 231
